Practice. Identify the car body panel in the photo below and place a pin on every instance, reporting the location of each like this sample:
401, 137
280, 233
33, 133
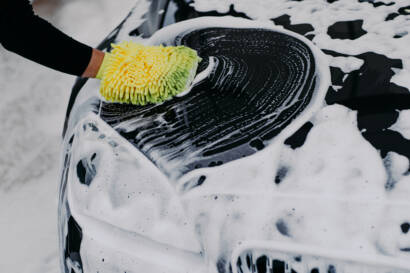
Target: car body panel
126, 207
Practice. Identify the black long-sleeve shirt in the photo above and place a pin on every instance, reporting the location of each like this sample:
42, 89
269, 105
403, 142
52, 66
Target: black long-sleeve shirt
24, 33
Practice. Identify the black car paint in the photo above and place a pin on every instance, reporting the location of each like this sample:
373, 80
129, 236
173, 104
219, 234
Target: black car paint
377, 111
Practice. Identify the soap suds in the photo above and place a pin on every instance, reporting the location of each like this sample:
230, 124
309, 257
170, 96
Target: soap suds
346, 64
321, 15
332, 192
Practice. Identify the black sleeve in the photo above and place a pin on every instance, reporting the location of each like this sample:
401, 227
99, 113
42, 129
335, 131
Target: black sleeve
24, 33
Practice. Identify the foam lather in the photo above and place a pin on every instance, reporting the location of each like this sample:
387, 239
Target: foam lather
262, 81
139, 74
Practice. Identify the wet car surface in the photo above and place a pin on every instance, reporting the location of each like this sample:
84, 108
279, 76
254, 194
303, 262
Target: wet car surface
366, 87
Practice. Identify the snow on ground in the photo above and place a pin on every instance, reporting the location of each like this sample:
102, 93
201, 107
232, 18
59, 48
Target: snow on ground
32, 109
402, 124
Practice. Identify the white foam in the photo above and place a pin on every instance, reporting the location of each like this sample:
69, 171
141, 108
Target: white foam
136, 19
321, 15
346, 64
331, 196
198, 77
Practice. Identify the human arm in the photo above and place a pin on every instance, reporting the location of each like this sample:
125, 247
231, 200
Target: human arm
94, 64
26, 34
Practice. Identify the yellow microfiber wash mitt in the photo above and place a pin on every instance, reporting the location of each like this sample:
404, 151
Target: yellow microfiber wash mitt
139, 74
